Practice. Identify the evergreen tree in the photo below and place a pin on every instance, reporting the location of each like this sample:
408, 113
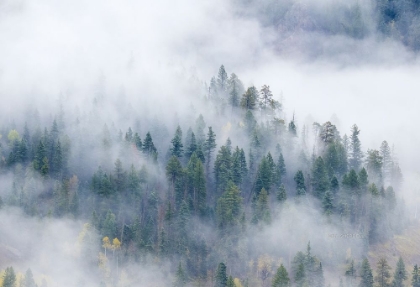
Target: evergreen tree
292, 128
415, 279
351, 274
327, 203
320, 181
229, 208
335, 186
191, 147
177, 146
209, 146
300, 183
280, 169
249, 99
137, 141
200, 125
356, 154
281, 278
223, 168
383, 273
29, 279
9, 278
366, 274
262, 209
222, 79
400, 275
181, 277
221, 277
149, 148
281, 194
264, 177
40, 154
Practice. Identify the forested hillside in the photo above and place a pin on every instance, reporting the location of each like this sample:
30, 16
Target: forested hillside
225, 190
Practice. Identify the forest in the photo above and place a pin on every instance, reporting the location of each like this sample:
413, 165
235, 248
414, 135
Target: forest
204, 198
235, 143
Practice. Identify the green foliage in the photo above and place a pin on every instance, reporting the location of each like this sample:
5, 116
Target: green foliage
262, 209
177, 148
249, 99
366, 274
281, 194
229, 208
383, 273
281, 278
415, 279
29, 279
327, 203
223, 168
9, 278
400, 274
221, 277
181, 277
300, 183
356, 154
320, 181
149, 148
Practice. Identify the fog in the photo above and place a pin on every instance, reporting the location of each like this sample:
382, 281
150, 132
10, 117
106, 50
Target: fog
128, 63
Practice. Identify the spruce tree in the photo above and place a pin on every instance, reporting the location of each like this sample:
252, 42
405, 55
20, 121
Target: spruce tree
327, 203
300, 183
281, 278
177, 148
281, 194
223, 168
262, 209
249, 99
415, 279
383, 273
320, 181
209, 146
29, 279
356, 154
366, 274
230, 282
149, 148
351, 274
221, 277
400, 274
181, 277
9, 278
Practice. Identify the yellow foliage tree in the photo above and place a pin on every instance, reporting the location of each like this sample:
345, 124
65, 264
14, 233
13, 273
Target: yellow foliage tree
106, 244
237, 282
12, 136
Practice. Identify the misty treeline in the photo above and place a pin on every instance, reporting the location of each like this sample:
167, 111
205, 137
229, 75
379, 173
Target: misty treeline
196, 191
396, 19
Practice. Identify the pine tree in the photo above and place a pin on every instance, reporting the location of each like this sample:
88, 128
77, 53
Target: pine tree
320, 181
249, 99
415, 280
200, 125
137, 141
264, 177
356, 154
281, 278
385, 153
229, 208
281, 194
400, 275
209, 146
280, 169
383, 273
262, 209
181, 277
29, 279
9, 278
300, 183
177, 146
351, 274
221, 277
366, 274
149, 148
40, 154
223, 168
327, 203
222, 79
191, 147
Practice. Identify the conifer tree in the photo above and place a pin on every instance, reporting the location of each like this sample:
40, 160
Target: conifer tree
191, 147
351, 274
415, 279
300, 183
320, 181
327, 203
264, 177
29, 279
229, 208
400, 274
223, 168
366, 274
249, 99
383, 273
137, 141
177, 148
281, 194
209, 146
222, 79
356, 154
221, 277
281, 278
181, 277
149, 148
9, 278
262, 209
